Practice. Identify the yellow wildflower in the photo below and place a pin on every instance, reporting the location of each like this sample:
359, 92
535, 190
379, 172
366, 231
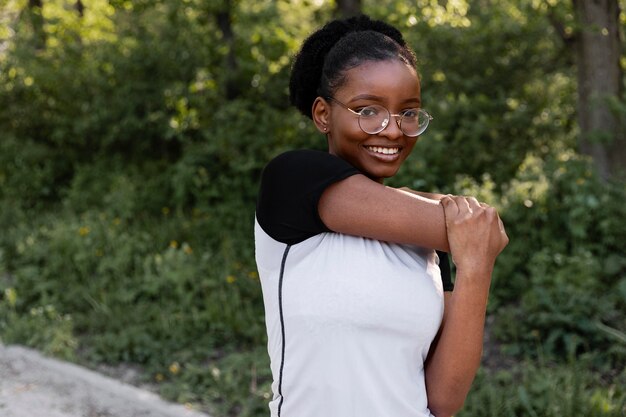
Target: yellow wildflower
174, 368
159, 377
11, 296
173, 244
230, 279
253, 275
84, 231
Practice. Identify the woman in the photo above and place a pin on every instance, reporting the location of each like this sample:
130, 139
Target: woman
361, 320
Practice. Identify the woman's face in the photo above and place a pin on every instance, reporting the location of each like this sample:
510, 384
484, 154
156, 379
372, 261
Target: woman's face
392, 84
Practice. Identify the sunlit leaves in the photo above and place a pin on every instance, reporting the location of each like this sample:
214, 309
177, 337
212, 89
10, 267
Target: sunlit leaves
452, 13
64, 22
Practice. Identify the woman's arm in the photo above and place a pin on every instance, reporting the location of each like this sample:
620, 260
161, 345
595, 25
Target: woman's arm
476, 237
472, 232
362, 207
431, 196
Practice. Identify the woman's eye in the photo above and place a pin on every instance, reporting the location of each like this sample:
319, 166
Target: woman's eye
410, 113
368, 111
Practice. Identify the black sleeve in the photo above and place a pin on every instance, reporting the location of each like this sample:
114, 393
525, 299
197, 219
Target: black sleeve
291, 186
446, 274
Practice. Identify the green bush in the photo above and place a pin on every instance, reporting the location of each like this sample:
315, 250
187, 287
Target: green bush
235, 384
561, 280
41, 327
548, 390
139, 290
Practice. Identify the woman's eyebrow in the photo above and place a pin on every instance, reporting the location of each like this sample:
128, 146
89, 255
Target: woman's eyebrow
382, 99
367, 97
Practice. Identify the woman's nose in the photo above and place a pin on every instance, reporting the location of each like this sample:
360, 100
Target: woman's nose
391, 130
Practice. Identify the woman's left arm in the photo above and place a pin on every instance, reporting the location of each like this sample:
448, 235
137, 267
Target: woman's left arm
432, 196
476, 237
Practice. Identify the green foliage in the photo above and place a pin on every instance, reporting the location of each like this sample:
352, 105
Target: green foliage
128, 181
31, 172
235, 384
546, 391
138, 295
566, 254
41, 327
495, 83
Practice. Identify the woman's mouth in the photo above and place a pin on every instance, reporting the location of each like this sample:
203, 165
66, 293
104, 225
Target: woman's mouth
383, 150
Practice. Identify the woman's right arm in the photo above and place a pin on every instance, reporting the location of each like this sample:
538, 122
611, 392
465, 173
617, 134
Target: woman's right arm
362, 207
474, 235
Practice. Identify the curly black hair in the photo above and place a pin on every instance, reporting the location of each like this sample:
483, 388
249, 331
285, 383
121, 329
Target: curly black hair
319, 68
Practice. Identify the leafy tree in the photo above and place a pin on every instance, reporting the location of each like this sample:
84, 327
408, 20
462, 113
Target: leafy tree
592, 33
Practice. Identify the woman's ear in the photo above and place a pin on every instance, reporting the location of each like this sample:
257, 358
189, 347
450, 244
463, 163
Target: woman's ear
321, 114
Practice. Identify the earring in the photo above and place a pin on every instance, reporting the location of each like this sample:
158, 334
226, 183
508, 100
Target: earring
325, 128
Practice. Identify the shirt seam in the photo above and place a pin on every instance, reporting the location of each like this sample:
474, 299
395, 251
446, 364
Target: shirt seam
282, 327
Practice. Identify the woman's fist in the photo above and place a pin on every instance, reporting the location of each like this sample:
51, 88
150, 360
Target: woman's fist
476, 234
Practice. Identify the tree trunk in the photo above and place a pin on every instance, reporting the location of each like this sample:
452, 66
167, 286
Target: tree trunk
348, 8
34, 11
598, 49
224, 22
80, 8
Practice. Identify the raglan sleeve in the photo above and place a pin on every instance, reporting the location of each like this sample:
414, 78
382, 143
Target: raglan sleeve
290, 190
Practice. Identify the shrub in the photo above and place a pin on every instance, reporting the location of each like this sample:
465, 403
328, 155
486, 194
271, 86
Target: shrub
41, 327
566, 254
545, 390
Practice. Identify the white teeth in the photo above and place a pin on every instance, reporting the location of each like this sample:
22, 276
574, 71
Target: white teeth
385, 151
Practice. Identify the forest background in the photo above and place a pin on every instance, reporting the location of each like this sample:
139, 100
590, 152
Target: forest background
133, 134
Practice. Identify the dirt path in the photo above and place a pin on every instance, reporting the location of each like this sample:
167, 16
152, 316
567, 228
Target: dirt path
35, 386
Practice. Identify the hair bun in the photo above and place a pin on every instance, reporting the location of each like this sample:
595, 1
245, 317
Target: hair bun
364, 22
306, 71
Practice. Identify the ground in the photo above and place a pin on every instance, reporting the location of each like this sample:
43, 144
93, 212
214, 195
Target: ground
32, 385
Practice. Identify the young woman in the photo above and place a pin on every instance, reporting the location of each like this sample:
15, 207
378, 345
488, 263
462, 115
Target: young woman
361, 319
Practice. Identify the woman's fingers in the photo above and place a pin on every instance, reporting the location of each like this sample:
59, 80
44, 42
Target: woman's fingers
458, 207
450, 208
474, 204
475, 232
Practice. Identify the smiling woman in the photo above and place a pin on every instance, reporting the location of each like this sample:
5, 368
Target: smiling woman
370, 142
360, 313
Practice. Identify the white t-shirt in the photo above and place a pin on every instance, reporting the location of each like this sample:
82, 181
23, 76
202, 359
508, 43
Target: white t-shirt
349, 319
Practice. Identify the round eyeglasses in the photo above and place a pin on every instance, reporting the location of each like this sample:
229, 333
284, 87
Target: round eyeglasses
375, 118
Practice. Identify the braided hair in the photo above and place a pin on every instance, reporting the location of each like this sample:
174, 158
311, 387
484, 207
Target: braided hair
320, 66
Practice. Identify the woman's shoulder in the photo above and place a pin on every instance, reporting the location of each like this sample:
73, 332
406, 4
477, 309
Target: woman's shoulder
299, 156
304, 163
290, 189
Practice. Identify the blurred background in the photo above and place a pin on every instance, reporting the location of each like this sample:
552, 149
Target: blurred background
133, 134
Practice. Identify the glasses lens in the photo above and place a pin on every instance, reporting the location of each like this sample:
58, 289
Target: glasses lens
373, 119
414, 122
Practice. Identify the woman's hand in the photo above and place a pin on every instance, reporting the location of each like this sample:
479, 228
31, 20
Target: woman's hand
475, 233
476, 236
